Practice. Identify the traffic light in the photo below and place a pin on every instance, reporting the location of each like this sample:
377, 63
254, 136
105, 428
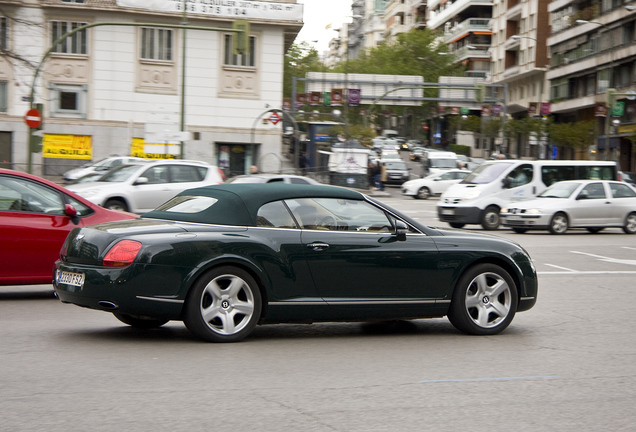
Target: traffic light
611, 97
241, 39
480, 92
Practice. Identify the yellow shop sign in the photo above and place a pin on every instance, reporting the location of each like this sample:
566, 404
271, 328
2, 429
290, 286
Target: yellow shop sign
56, 146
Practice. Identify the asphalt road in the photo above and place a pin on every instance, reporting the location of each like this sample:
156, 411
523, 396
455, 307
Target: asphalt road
568, 364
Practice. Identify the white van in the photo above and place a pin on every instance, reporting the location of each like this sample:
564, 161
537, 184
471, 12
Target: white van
436, 162
494, 184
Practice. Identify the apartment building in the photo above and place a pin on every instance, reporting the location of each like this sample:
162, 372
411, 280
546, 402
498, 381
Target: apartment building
592, 49
519, 59
102, 87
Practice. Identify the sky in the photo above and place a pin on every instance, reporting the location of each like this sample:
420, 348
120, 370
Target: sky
317, 14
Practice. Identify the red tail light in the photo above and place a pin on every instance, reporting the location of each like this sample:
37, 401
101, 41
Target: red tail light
122, 254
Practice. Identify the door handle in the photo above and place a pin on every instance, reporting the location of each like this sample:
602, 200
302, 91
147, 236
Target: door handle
318, 246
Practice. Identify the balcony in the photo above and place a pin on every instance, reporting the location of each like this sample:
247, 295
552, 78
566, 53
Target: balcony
438, 18
472, 52
511, 71
467, 26
512, 44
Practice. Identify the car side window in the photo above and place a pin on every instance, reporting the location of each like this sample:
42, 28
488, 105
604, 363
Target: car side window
184, 173
274, 215
622, 191
25, 196
447, 176
339, 215
521, 175
157, 174
593, 191
295, 180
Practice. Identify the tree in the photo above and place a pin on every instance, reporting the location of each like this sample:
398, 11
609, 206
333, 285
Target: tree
299, 59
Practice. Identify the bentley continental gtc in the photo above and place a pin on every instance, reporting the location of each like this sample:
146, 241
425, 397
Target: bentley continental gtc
226, 258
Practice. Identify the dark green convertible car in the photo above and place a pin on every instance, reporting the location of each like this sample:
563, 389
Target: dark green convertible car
225, 258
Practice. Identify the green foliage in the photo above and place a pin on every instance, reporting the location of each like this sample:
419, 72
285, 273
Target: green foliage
574, 135
299, 59
460, 149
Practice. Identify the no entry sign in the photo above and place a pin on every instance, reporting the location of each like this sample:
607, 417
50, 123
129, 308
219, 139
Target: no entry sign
33, 118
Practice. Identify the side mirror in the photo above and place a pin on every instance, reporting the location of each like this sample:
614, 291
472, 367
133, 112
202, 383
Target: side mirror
582, 196
140, 181
400, 230
71, 211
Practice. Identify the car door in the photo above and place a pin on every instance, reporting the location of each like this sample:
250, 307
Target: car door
33, 226
623, 202
591, 206
357, 261
157, 190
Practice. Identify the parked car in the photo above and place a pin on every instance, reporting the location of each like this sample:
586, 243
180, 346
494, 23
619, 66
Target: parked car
141, 188
226, 258
590, 204
397, 172
273, 178
433, 185
36, 215
101, 166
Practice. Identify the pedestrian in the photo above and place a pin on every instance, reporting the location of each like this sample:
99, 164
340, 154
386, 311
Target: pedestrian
303, 162
377, 174
383, 176
371, 175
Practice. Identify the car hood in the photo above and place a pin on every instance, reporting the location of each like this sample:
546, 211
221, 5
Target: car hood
538, 203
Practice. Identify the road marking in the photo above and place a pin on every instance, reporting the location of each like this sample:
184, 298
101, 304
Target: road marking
585, 272
563, 268
490, 379
607, 259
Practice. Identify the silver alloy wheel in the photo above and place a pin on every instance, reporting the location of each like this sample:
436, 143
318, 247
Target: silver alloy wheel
630, 224
491, 219
227, 304
559, 224
488, 300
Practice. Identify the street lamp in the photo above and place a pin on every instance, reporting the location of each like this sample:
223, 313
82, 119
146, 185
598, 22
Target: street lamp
609, 84
346, 83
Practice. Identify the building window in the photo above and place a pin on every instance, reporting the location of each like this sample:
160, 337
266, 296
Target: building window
156, 44
231, 59
75, 44
68, 101
4, 34
3, 96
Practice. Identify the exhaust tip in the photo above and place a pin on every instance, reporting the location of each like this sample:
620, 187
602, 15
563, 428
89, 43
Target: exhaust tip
108, 305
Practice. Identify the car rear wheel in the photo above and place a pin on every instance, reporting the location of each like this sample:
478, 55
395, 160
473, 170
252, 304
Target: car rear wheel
484, 301
630, 224
456, 224
423, 193
558, 224
115, 204
139, 321
490, 219
519, 230
223, 306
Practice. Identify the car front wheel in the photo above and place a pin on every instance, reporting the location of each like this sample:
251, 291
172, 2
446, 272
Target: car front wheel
456, 225
115, 204
558, 224
630, 224
484, 301
223, 306
423, 193
490, 219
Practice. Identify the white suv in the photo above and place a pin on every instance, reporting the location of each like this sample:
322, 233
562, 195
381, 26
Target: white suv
139, 188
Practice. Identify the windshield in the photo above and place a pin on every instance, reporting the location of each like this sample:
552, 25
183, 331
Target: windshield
443, 163
486, 173
559, 190
395, 165
119, 174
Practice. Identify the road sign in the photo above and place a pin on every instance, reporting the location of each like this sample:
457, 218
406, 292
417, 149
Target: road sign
275, 118
33, 118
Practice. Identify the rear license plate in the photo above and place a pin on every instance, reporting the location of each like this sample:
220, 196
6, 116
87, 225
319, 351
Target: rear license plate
446, 211
69, 278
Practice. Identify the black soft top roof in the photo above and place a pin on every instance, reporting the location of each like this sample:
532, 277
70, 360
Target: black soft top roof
238, 203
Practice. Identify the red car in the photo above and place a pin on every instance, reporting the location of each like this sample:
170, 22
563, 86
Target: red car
35, 217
